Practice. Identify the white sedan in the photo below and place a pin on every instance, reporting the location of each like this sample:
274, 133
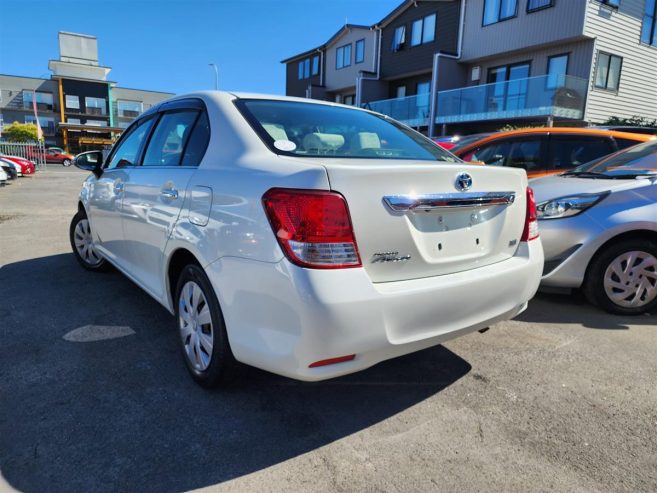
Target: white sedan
302, 237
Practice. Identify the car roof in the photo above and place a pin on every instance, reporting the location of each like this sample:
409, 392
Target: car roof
557, 130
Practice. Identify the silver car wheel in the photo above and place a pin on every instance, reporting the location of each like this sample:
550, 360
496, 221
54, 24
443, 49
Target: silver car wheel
84, 243
630, 280
195, 324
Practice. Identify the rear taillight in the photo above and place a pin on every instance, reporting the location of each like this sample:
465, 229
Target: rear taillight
531, 220
312, 227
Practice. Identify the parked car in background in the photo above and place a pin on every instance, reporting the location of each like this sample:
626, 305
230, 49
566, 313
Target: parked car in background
599, 229
26, 166
58, 149
634, 130
546, 151
10, 168
3, 177
454, 142
51, 155
302, 237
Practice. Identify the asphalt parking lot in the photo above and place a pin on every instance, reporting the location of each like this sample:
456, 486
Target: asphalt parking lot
94, 395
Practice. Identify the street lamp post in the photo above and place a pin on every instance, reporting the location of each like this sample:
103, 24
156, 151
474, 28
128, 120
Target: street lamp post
216, 76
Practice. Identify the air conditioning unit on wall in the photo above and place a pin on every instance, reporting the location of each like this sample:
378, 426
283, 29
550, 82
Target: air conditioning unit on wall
476, 73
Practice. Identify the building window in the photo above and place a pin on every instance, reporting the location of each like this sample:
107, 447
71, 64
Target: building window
75, 121
423, 30
533, 5
608, 71
611, 3
95, 106
95, 123
343, 56
43, 100
499, 10
360, 51
315, 68
399, 38
72, 102
649, 29
349, 99
47, 123
509, 87
129, 109
556, 71
304, 69
401, 91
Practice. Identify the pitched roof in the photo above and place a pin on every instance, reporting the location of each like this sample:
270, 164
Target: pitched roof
342, 30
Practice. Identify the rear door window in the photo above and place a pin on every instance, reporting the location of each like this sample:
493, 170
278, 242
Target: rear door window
515, 152
167, 144
570, 151
198, 142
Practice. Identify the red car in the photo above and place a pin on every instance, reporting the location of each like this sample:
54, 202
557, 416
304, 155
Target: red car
53, 155
27, 167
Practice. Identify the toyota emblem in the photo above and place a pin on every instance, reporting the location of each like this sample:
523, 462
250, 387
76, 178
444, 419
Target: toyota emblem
463, 182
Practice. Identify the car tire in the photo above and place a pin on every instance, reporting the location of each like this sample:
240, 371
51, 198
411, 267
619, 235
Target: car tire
201, 330
82, 245
66, 162
622, 278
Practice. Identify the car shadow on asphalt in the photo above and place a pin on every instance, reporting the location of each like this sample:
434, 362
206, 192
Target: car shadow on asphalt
574, 309
121, 413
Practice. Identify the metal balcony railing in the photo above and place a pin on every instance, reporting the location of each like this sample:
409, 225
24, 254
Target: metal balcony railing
545, 95
411, 110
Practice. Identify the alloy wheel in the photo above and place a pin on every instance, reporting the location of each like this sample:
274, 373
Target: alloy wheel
84, 243
630, 280
195, 325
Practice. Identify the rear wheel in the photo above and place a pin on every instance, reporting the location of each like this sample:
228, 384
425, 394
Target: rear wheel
82, 244
201, 330
623, 278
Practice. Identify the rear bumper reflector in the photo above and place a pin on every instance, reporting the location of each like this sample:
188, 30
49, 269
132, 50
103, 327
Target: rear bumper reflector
332, 361
448, 200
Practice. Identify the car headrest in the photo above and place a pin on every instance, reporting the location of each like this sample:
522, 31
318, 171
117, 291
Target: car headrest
323, 142
276, 131
365, 140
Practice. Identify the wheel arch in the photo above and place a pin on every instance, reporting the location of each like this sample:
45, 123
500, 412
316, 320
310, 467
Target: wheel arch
178, 259
635, 234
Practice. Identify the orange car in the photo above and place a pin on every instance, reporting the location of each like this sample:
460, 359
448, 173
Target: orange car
547, 151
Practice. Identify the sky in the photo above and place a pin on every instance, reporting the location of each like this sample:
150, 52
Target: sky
167, 45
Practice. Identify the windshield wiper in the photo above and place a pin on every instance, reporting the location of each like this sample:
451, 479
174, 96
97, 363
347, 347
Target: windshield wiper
632, 176
585, 174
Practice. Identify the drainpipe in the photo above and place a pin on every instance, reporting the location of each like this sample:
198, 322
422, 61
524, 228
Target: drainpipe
361, 77
434, 75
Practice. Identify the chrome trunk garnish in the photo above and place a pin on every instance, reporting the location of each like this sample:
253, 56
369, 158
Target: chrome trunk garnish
448, 200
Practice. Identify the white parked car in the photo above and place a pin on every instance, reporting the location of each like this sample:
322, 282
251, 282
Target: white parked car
3, 177
305, 238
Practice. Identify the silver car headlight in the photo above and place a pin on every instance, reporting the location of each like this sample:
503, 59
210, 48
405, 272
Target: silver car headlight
568, 206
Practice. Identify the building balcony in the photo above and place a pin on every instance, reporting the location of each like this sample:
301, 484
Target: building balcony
541, 96
411, 110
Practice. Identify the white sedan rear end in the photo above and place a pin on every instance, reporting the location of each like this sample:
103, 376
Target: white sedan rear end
309, 239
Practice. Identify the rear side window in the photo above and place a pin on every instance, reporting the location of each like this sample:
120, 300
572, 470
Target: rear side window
625, 143
169, 138
571, 151
127, 152
198, 142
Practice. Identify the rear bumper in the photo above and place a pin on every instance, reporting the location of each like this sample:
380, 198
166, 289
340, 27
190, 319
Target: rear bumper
282, 318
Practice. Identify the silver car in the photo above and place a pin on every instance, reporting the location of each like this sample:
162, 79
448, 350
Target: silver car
598, 225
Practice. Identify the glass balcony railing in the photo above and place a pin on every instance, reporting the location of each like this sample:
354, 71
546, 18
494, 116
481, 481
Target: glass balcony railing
411, 110
562, 97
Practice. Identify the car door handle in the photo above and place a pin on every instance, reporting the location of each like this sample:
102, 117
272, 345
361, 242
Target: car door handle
169, 193
118, 188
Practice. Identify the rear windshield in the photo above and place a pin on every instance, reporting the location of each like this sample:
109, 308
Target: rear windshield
320, 131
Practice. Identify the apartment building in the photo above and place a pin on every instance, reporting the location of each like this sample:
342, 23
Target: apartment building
474, 65
78, 107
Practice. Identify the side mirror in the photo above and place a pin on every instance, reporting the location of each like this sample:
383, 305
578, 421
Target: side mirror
90, 161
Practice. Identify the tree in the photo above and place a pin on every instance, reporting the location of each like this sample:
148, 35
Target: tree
20, 132
635, 121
